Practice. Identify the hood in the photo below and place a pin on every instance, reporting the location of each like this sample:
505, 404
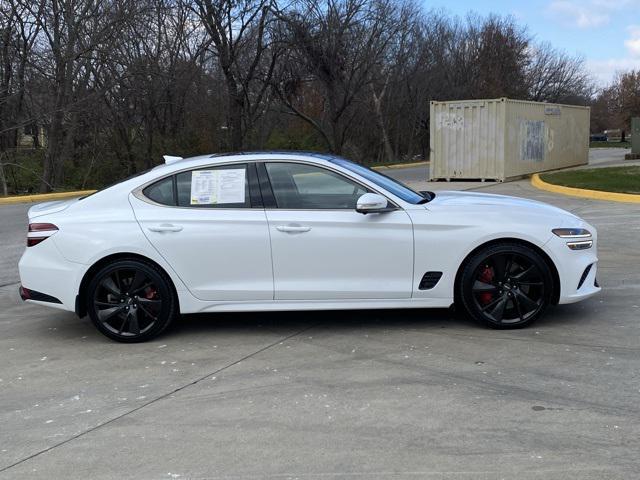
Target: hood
50, 207
473, 201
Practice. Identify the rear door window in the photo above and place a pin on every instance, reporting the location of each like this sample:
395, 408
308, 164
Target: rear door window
225, 186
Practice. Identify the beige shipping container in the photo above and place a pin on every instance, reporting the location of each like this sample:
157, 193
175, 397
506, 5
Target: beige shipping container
502, 139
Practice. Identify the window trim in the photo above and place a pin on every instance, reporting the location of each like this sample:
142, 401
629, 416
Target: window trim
262, 172
259, 162
254, 195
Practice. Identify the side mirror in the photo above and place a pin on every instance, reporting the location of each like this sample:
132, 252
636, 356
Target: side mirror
371, 203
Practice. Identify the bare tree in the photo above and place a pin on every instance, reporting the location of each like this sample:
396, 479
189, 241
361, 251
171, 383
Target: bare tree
240, 39
72, 30
336, 48
554, 76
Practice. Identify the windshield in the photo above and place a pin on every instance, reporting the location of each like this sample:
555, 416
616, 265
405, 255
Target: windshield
400, 190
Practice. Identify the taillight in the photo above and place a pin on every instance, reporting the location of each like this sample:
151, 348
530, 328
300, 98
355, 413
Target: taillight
38, 232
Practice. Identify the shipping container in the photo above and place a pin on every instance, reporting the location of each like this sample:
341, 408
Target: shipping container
502, 139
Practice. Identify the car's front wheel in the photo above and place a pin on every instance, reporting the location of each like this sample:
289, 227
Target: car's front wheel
131, 301
506, 285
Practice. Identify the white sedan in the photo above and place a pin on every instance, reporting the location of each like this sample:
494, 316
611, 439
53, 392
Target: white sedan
293, 231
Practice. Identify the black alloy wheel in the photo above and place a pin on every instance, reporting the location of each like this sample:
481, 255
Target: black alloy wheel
506, 286
131, 301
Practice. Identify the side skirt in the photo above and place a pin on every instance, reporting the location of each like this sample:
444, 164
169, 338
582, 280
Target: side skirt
287, 305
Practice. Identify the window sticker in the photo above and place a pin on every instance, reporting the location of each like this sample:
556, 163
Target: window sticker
213, 187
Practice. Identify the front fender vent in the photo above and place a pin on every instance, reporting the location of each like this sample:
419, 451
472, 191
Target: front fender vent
429, 280
584, 275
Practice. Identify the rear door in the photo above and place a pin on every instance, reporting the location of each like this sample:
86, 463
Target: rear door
210, 226
322, 248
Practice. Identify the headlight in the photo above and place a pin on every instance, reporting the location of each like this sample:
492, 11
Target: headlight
576, 235
572, 232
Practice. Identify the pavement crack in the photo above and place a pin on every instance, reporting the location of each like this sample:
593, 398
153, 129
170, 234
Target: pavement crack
157, 399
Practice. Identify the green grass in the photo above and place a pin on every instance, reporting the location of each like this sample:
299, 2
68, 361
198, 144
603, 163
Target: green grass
610, 145
611, 179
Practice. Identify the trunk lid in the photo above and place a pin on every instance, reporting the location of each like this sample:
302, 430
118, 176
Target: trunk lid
47, 208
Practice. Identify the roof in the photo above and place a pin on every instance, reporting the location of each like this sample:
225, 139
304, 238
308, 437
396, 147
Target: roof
306, 153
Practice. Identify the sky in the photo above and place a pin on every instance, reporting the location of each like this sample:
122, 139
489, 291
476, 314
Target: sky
605, 33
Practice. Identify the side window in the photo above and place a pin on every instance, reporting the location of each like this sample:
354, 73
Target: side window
226, 186
161, 191
301, 186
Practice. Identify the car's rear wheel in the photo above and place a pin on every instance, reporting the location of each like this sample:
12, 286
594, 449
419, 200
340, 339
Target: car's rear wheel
505, 285
131, 301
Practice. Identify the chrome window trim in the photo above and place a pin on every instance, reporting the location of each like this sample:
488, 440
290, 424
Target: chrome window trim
137, 192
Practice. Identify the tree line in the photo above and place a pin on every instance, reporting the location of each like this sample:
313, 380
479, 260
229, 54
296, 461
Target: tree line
615, 105
114, 84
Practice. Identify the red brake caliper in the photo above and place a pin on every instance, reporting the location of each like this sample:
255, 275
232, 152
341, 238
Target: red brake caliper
486, 277
150, 293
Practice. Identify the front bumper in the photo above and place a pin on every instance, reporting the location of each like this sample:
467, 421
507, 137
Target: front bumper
576, 283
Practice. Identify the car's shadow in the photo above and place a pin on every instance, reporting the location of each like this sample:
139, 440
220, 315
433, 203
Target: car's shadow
345, 321
341, 320
329, 319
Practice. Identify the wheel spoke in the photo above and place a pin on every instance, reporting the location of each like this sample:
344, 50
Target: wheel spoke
124, 322
525, 273
137, 281
498, 311
508, 267
526, 302
499, 267
149, 301
111, 287
479, 286
118, 282
491, 304
108, 313
134, 327
147, 312
531, 284
516, 302
143, 287
106, 304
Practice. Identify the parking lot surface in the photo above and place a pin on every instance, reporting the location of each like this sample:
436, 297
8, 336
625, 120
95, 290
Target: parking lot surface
364, 394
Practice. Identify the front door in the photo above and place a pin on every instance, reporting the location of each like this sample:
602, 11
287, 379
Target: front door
322, 248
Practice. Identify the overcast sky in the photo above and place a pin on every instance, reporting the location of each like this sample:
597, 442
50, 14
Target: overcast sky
606, 33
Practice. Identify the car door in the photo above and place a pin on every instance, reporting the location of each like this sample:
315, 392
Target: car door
210, 226
323, 249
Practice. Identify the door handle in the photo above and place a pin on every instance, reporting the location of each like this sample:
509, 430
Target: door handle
293, 228
165, 227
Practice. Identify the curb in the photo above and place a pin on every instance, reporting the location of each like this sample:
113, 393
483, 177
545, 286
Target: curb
537, 182
42, 197
402, 165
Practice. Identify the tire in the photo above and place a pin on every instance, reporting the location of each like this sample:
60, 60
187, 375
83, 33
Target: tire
505, 285
131, 301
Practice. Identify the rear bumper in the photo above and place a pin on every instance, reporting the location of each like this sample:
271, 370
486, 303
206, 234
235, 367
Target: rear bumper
47, 278
27, 294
